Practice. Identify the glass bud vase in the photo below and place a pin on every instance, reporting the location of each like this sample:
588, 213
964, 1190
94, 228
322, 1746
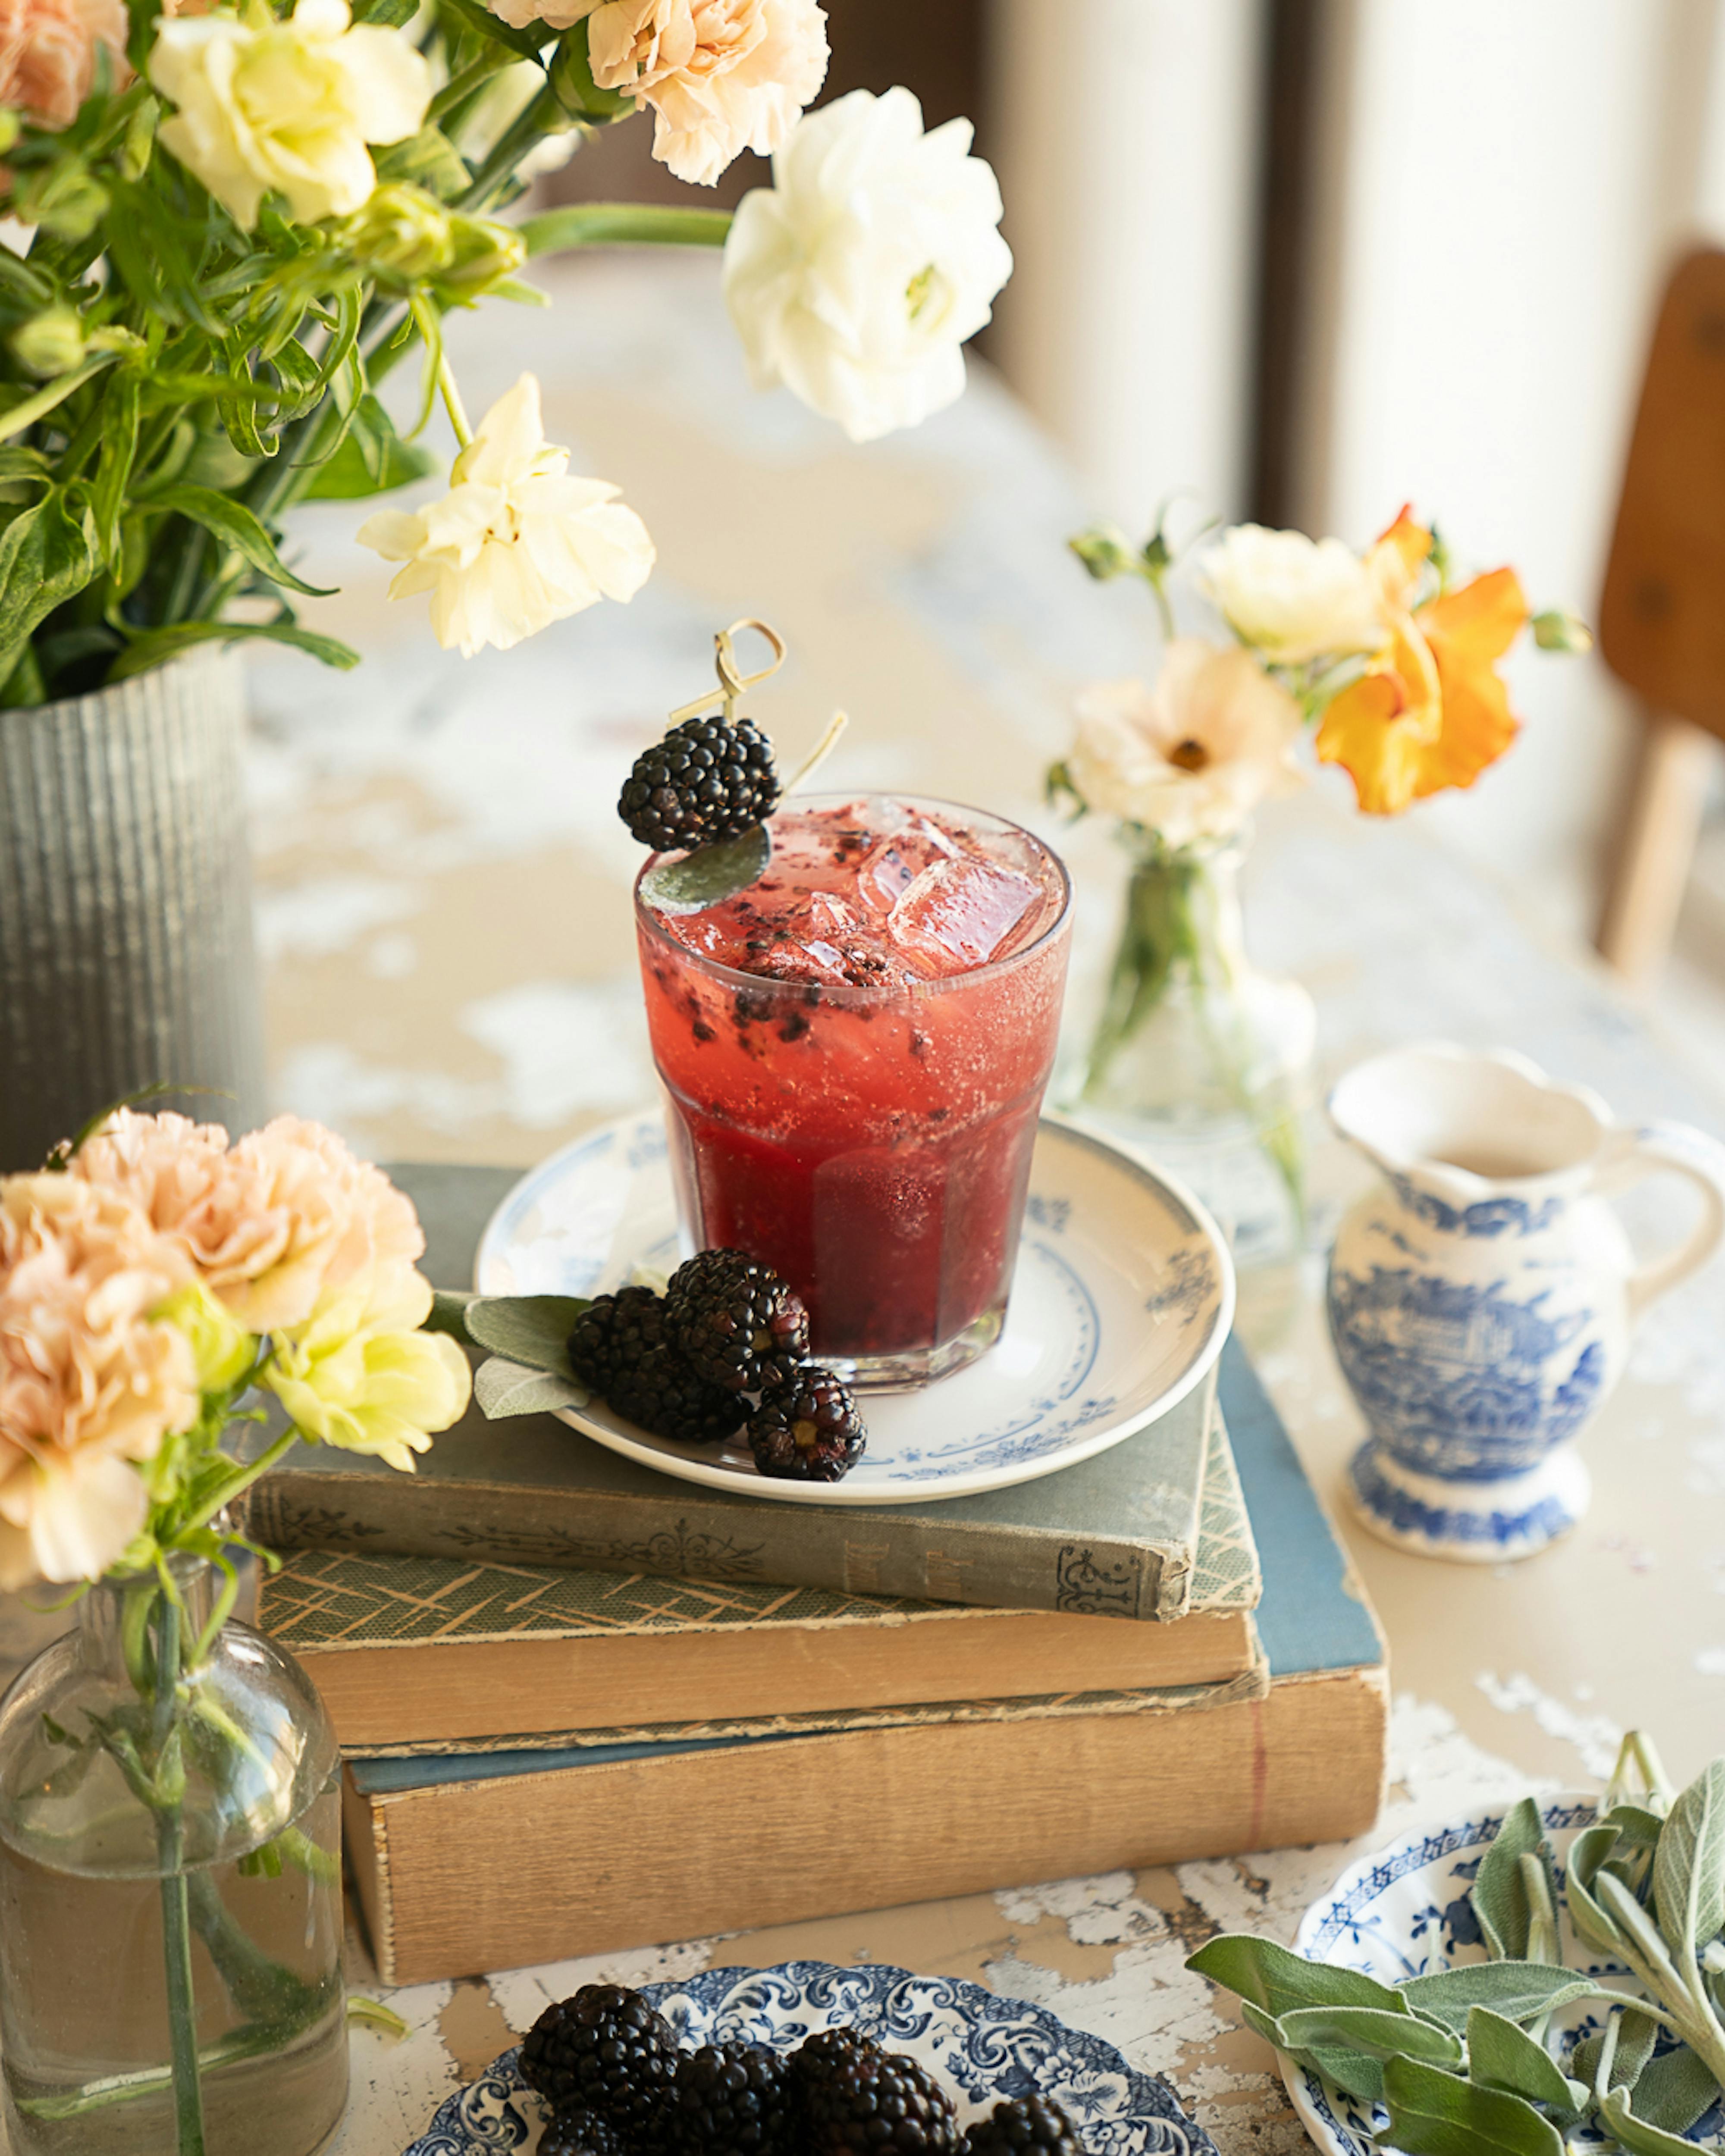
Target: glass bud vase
170, 1887
1199, 1059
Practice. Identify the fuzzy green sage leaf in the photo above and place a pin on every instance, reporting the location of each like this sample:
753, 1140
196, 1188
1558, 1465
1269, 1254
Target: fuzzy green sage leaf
1273, 1978
710, 874
532, 1329
1502, 2056
1689, 1866
1674, 2089
1519, 1991
1370, 2028
504, 1388
1432, 2114
1500, 1896
1638, 2135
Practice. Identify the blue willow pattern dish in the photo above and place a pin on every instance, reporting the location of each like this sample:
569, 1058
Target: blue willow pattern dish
982, 2045
1405, 1913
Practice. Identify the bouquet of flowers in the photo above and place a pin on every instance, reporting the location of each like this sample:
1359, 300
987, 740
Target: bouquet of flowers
227, 224
1389, 660
151, 1280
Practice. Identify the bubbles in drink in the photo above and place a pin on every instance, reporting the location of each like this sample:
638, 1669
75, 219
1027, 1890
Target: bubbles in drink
957, 914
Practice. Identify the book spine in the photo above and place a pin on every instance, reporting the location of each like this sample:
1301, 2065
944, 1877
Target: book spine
876, 1553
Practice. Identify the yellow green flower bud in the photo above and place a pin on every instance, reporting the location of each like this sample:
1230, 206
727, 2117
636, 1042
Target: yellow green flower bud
9, 125
1557, 629
402, 232
1105, 551
50, 343
485, 253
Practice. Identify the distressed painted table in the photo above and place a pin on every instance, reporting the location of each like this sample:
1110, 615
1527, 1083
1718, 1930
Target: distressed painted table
444, 906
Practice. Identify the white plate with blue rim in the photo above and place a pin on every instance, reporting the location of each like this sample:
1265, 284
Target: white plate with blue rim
1405, 1911
1121, 1301
980, 2046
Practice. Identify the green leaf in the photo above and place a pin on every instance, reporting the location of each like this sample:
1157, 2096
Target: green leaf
372, 460
470, 14
1636, 2036
48, 554
502, 1389
624, 224
1385, 2034
533, 1329
1432, 2114
1518, 1990
1638, 2136
710, 874
236, 527
1588, 1853
114, 463
1689, 1866
430, 160
155, 647
1500, 1893
387, 14
572, 80
1356, 2072
1500, 2056
1270, 1977
449, 1314
1674, 2089
29, 409
1636, 1824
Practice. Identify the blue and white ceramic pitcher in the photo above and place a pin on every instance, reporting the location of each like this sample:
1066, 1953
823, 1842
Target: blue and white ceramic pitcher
1481, 1297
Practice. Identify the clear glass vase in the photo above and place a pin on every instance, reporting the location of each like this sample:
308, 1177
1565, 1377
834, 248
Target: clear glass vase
1198, 1058
170, 1887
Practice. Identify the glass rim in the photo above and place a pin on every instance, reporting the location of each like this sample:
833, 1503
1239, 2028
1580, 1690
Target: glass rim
855, 991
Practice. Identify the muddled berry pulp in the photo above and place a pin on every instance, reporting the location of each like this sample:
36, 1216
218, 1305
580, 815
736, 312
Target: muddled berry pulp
856, 1050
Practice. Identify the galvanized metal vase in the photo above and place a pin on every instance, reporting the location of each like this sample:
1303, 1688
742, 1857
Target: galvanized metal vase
126, 957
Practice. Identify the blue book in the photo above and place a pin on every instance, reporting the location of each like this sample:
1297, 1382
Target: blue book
470, 1862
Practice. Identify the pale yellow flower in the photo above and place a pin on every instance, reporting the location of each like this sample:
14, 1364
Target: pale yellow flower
92, 1377
516, 543
1191, 758
1293, 598
287, 106
361, 1376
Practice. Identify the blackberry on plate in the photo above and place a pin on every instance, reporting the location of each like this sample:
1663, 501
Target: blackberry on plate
736, 1319
581, 2132
612, 1335
807, 1428
857, 2100
665, 1393
707, 779
730, 2100
1025, 2124
604, 2051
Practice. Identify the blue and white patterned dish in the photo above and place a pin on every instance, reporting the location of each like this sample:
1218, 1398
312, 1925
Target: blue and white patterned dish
1405, 1913
982, 2047
1124, 1296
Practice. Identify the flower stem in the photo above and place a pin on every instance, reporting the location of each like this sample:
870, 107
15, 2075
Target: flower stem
176, 1916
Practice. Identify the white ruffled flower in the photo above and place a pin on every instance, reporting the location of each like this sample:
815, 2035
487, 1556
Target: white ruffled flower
515, 544
287, 106
1191, 758
1294, 598
856, 277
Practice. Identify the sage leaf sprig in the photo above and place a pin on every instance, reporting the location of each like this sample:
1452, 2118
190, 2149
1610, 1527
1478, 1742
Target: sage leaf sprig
526, 1342
1463, 2062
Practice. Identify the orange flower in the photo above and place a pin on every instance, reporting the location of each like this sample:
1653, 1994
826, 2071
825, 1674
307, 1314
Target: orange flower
1431, 712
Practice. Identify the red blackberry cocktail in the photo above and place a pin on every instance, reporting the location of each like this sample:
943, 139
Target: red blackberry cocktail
855, 1050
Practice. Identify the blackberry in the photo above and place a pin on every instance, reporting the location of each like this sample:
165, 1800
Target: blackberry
612, 1334
1028, 2123
857, 2100
807, 1428
730, 2100
664, 1394
604, 2051
705, 780
736, 1319
582, 2133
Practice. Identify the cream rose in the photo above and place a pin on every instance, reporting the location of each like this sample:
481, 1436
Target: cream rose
1191, 758
288, 106
516, 543
92, 1378
857, 276
1294, 598
49, 51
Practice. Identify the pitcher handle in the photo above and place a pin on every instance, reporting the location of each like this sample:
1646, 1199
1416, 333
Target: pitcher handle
1671, 1149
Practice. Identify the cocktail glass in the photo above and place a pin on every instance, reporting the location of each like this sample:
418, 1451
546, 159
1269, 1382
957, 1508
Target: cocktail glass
855, 1102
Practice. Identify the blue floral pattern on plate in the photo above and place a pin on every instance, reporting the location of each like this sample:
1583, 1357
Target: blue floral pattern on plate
1405, 1913
982, 2046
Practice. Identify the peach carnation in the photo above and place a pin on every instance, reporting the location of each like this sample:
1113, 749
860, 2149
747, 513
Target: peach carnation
722, 76
271, 1223
49, 51
90, 1379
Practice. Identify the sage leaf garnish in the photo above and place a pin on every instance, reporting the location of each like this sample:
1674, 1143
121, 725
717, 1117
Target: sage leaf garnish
1500, 1890
533, 1329
1638, 2135
1369, 2029
709, 875
503, 1388
1673, 2090
1689, 1867
1519, 1991
1499, 2055
1636, 2035
1431, 2113
1273, 1977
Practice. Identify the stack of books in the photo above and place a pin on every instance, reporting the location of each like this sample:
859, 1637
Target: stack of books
584, 1707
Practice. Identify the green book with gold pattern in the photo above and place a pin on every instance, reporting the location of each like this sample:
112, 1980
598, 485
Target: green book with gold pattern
416, 1653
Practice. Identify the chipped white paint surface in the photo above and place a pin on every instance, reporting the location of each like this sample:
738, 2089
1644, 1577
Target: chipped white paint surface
444, 892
